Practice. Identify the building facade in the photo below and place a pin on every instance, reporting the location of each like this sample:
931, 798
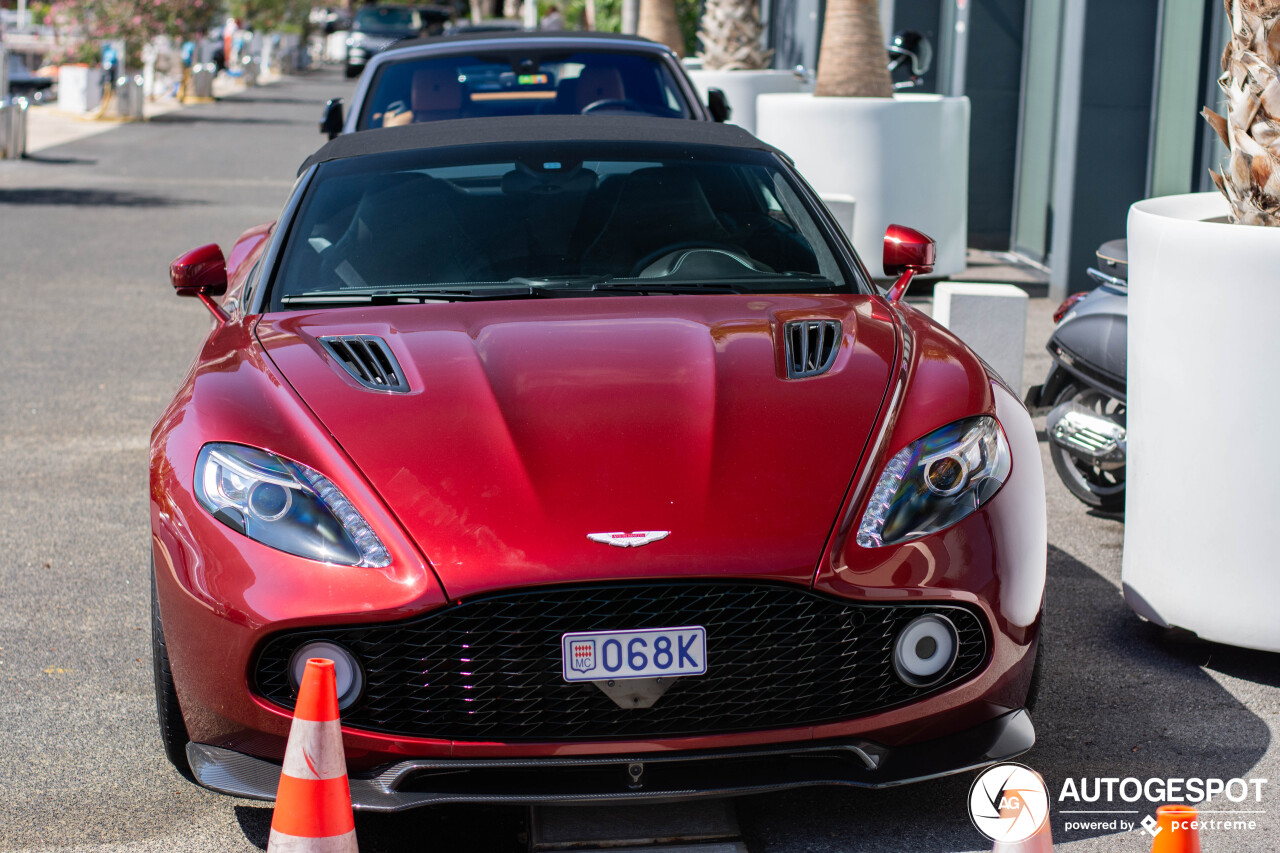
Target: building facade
1079, 109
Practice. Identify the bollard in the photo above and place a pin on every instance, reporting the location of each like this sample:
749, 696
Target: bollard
13, 128
129, 97
202, 80
249, 72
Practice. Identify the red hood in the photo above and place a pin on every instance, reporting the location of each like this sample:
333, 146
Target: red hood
534, 423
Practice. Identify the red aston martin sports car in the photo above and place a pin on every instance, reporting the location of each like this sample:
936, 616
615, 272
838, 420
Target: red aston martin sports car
601, 468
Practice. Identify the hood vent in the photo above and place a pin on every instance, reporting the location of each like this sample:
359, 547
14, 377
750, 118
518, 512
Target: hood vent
811, 347
369, 361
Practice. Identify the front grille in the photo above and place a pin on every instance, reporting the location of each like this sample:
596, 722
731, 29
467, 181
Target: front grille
489, 669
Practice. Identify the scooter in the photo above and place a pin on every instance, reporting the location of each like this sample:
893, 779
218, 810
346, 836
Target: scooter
1084, 391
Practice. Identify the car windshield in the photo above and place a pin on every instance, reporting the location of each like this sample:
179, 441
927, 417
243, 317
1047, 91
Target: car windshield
551, 220
387, 19
521, 83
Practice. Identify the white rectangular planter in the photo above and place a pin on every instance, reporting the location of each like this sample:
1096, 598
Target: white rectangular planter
905, 159
79, 88
741, 88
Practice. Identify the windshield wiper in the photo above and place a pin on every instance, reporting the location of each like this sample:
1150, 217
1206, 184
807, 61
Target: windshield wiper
392, 296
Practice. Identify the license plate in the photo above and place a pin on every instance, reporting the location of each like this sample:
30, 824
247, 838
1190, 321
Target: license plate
601, 655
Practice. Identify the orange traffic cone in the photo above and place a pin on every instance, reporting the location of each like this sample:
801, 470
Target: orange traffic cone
313, 802
1177, 832
1040, 842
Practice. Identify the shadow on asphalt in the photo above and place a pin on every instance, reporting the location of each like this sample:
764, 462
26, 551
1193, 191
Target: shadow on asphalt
440, 829
63, 196
264, 99
1117, 700
59, 161
1245, 664
207, 118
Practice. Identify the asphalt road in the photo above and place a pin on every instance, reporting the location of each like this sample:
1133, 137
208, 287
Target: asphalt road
92, 345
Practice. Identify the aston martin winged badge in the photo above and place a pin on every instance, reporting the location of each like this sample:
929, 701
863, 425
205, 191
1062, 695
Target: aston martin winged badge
629, 540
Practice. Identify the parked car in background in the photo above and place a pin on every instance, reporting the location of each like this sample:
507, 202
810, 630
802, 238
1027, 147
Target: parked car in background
24, 84
374, 28
589, 451
488, 75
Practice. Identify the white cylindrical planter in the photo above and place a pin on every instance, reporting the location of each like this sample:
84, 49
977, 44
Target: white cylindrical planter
741, 88
905, 159
1203, 475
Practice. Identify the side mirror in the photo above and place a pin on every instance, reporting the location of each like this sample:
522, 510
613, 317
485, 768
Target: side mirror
907, 253
202, 270
331, 122
718, 104
201, 273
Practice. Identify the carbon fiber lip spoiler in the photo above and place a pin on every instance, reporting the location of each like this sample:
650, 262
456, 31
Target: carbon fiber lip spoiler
644, 777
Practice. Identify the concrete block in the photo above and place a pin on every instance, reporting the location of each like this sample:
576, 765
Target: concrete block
991, 319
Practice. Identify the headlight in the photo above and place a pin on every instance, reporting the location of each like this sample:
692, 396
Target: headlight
934, 482
285, 505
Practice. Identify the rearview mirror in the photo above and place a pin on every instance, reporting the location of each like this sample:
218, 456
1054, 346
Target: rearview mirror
200, 272
331, 122
718, 105
907, 253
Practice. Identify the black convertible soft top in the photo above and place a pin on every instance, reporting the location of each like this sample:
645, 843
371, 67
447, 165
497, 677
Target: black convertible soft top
550, 128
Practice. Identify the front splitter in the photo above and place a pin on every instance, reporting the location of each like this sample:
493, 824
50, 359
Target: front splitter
641, 777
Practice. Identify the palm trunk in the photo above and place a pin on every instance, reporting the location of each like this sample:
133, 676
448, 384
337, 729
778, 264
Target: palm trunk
1251, 129
852, 62
658, 22
732, 36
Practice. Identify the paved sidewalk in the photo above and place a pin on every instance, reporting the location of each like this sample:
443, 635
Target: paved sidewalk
48, 126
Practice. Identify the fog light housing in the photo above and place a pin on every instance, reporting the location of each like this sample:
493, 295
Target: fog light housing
925, 650
347, 672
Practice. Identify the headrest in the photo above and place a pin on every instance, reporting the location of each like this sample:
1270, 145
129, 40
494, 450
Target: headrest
599, 83
436, 89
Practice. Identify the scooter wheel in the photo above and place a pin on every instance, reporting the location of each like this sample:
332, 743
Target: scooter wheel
1093, 486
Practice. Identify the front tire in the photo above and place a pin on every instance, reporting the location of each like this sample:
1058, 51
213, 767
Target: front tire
173, 730
1093, 486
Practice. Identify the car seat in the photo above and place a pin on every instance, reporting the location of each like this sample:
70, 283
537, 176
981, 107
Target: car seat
656, 207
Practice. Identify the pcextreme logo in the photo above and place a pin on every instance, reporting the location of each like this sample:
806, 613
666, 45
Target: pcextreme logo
1009, 803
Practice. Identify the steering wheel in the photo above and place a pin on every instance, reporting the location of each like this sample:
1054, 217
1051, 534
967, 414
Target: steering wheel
675, 249
620, 104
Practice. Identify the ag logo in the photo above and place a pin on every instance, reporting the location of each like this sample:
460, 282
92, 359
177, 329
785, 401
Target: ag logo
1009, 803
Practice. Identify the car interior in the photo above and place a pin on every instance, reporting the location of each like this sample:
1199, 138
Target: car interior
488, 86
495, 222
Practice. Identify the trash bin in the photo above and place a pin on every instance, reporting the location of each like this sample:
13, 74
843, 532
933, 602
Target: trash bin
202, 80
130, 96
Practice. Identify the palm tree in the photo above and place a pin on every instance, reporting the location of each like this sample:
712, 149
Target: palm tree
1251, 129
852, 62
658, 22
732, 36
